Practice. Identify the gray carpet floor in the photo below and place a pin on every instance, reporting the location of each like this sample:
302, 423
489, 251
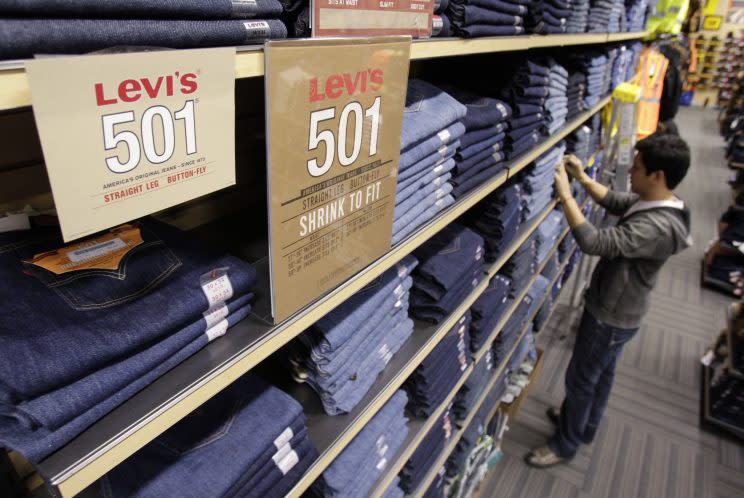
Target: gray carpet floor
649, 443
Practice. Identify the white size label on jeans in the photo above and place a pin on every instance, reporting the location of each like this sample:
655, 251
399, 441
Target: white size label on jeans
444, 135
284, 438
96, 250
217, 330
215, 314
288, 462
217, 286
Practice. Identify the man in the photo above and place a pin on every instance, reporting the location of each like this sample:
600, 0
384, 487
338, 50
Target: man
654, 224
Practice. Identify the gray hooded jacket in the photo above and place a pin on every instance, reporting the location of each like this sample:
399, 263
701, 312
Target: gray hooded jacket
632, 253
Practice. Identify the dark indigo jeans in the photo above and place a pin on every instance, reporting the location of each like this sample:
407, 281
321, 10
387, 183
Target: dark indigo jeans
589, 378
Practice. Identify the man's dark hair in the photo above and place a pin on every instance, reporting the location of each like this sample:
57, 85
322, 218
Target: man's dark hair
667, 153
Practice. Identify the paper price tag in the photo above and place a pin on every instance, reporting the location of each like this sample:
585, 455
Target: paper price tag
125, 135
334, 117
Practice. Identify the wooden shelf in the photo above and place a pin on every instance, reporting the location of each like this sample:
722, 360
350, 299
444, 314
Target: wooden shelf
249, 61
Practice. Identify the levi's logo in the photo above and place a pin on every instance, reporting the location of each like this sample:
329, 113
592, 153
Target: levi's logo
132, 90
339, 84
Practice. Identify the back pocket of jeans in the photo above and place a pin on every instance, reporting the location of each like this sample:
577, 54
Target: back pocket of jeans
141, 269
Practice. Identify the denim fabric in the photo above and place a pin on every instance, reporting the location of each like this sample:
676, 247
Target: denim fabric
428, 111
424, 217
473, 387
19, 37
405, 204
531, 91
75, 335
362, 380
339, 325
518, 134
341, 476
427, 453
431, 161
443, 257
394, 491
476, 30
506, 6
419, 208
489, 162
239, 423
424, 308
476, 162
433, 380
475, 136
526, 79
409, 185
589, 379
487, 310
493, 143
55, 408
478, 179
521, 110
425, 148
482, 112
130, 9
518, 148
468, 15
527, 120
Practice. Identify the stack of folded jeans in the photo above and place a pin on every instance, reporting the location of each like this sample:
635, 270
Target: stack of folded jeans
497, 218
618, 21
579, 17
539, 288
566, 247
429, 138
427, 453
473, 387
441, 25
394, 491
488, 310
527, 92
474, 18
547, 17
548, 232
266, 462
594, 66
354, 471
451, 267
577, 143
509, 335
521, 266
622, 66
575, 94
552, 267
342, 354
556, 106
80, 26
479, 160
435, 377
635, 12
538, 182
104, 323
436, 490
599, 16
473, 432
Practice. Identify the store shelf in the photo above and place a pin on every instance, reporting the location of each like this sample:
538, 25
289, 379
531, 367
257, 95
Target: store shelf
512, 409
249, 60
418, 428
453, 443
131, 426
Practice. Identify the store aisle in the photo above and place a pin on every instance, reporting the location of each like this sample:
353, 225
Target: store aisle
650, 444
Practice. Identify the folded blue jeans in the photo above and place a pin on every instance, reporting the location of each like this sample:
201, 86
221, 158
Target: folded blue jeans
131, 9
476, 30
424, 217
239, 423
425, 148
475, 136
493, 143
428, 110
19, 37
483, 176
409, 185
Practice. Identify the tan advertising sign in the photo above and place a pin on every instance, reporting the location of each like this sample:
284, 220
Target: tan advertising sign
125, 135
334, 115
372, 17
